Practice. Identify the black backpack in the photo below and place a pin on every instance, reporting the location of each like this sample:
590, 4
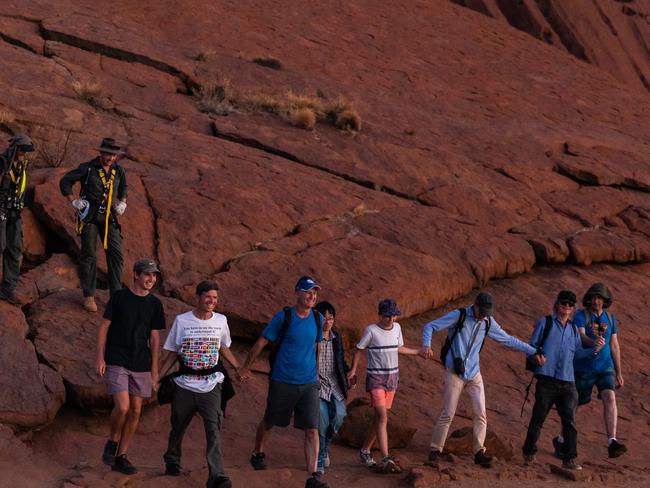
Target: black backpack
283, 332
457, 328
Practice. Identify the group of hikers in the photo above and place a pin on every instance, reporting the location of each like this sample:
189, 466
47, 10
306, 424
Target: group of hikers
569, 352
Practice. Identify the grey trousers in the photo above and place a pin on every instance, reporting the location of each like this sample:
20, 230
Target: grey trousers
208, 405
11, 248
88, 259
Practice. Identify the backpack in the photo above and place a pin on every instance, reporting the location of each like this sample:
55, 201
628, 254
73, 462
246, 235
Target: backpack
457, 328
283, 332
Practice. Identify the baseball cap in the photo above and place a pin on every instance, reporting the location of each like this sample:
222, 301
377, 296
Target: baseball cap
484, 303
306, 283
145, 265
388, 308
566, 295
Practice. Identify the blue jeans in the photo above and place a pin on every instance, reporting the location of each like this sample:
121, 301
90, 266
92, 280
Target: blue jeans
332, 414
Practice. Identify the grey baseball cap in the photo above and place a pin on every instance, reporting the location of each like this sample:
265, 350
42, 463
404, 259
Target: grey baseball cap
145, 265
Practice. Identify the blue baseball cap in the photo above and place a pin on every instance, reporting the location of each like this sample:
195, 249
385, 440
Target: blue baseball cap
388, 308
306, 283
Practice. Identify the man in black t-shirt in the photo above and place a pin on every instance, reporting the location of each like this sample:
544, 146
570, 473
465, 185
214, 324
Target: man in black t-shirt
128, 342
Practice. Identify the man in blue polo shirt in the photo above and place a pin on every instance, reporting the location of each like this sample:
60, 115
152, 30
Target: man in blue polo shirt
293, 383
602, 370
555, 381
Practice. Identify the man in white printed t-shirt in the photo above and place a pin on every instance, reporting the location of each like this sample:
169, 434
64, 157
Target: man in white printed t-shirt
197, 337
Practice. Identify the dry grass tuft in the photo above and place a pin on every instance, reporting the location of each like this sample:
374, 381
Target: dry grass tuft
348, 120
297, 101
7, 117
204, 54
91, 93
268, 62
305, 118
261, 102
52, 151
336, 106
215, 97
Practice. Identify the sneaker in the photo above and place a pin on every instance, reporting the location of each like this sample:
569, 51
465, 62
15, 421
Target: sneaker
326, 461
123, 465
172, 469
366, 458
615, 449
314, 481
257, 461
389, 466
90, 305
10, 296
483, 459
529, 459
110, 450
221, 482
436, 457
558, 448
571, 464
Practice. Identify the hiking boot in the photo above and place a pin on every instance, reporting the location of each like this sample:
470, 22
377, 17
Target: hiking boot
90, 305
615, 449
257, 461
221, 482
110, 450
366, 458
123, 465
558, 448
483, 459
314, 481
10, 296
571, 464
172, 469
529, 459
389, 466
435, 457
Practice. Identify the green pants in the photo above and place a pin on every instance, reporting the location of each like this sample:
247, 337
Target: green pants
11, 248
88, 259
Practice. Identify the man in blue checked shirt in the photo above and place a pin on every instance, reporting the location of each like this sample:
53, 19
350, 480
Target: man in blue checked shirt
467, 329
555, 378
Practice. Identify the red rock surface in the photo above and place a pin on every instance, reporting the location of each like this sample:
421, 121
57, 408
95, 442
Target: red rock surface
484, 154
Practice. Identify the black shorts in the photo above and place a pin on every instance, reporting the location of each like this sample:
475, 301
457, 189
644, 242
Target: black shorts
285, 399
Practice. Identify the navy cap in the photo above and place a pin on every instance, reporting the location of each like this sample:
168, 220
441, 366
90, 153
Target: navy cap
568, 296
484, 303
145, 265
306, 283
388, 308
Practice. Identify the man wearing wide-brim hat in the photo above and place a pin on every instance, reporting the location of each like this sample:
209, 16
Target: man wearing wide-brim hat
602, 370
13, 181
102, 198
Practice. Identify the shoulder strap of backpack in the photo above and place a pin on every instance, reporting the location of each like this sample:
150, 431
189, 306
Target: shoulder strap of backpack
317, 320
285, 326
459, 325
487, 331
547, 328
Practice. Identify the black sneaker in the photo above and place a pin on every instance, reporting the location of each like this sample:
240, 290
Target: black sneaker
436, 457
558, 448
314, 481
615, 449
110, 450
221, 482
483, 459
571, 464
172, 469
10, 296
123, 465
257, 461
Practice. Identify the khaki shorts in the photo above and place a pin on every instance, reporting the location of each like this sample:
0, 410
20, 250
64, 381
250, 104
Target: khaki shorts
120, 379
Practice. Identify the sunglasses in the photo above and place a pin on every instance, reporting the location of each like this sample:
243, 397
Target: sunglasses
566, 303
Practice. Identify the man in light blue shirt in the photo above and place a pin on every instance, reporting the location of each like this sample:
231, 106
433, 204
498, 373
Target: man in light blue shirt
558, 339
467, 329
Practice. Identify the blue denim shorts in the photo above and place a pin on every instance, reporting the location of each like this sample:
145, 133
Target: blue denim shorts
585, 382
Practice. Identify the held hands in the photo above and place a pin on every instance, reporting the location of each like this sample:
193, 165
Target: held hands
79, 204
426, 352
120, 208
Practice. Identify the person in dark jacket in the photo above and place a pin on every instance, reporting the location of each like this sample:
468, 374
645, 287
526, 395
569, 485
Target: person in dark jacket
102, 198
13, 179
332, 376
